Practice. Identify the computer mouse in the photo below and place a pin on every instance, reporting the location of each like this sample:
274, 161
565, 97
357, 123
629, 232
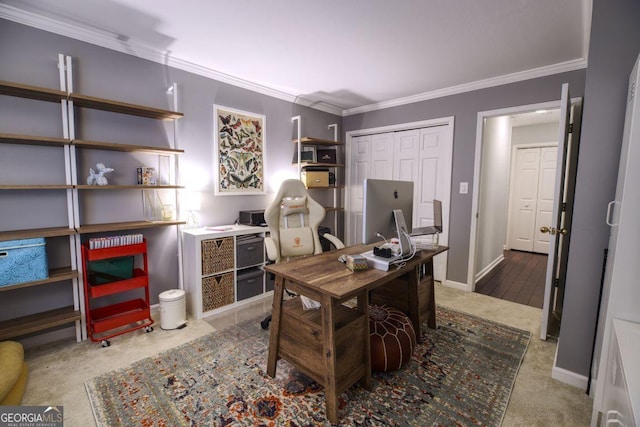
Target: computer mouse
342, 258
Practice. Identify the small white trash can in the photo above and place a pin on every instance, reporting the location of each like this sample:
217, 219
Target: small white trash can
172, 309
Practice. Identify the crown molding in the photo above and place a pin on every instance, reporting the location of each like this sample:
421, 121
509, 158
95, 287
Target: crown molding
468, 87
115, 42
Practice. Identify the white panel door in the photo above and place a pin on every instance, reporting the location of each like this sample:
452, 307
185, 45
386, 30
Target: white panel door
527, 166
562, 214
434, 182
546, 188
405, 159
533, 194
360, 161
371, 157
381, 156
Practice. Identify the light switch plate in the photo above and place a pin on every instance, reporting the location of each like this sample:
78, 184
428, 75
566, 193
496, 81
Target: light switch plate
464, 187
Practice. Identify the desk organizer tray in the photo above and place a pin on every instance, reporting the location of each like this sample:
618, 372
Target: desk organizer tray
23, 261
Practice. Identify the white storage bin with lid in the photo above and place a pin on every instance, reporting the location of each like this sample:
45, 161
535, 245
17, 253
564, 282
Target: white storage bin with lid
172, 309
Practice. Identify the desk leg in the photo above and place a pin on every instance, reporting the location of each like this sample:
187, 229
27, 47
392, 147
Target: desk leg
414, 301
329, 351
363, 307
431, 295
274, 332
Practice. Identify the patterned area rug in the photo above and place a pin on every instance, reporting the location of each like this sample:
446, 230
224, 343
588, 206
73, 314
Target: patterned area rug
462, 374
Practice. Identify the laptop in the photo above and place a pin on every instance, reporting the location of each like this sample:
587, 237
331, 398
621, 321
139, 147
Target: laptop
437, 222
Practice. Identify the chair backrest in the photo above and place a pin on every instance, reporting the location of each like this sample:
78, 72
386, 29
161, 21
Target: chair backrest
293, 219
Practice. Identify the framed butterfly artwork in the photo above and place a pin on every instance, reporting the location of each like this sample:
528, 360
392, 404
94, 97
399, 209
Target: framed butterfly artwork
239, 140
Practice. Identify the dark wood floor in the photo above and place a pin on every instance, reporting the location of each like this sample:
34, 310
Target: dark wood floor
519, 278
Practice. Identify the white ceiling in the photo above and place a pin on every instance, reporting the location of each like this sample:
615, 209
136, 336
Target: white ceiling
343, 56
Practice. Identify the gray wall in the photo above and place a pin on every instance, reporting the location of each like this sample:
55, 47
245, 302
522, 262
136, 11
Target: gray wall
494, 190
614, 47
29, 56
535, 134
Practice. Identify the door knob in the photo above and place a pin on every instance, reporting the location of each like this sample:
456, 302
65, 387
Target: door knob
553, 231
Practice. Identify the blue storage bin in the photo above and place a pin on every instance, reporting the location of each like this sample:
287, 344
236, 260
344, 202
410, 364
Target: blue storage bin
23, 261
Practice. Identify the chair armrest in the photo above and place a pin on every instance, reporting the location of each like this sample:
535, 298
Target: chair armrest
271, 248
334, 240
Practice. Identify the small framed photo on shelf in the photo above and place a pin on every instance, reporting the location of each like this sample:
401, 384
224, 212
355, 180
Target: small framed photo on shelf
308, 154
146, 176
326, 155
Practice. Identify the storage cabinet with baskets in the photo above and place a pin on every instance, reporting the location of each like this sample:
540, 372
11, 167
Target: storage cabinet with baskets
222, 267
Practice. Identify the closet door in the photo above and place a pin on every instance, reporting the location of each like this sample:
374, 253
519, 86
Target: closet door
406, 165
527, 168
533, 192
423, 156
546, 191
371, 157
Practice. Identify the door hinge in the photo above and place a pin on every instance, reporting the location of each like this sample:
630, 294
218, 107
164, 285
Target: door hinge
564, 207
556, 282
570, 127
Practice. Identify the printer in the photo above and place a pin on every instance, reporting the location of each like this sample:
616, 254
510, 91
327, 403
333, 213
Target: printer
252, 218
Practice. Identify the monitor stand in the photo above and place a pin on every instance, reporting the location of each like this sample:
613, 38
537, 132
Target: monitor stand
403, 233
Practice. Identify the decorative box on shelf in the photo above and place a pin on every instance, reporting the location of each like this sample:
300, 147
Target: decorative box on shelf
146, 176
315, 178
23, 261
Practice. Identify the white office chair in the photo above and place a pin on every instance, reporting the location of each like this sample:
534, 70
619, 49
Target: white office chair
293, 219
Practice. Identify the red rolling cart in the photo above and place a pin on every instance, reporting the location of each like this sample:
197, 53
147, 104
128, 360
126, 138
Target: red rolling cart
108, 321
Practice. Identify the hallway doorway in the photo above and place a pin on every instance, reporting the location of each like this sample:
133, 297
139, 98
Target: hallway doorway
506, 263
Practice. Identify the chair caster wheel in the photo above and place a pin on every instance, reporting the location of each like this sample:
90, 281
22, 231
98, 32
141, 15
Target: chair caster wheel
148, 329
105, 343
265, 322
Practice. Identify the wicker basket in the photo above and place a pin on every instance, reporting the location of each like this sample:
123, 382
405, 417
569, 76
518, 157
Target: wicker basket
217, 255
217, 291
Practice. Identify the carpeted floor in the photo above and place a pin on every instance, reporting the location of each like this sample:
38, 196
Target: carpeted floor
462, 374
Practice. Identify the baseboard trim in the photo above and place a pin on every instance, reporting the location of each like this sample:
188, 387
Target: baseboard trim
456, 285
489, 267
49, 337
570, 378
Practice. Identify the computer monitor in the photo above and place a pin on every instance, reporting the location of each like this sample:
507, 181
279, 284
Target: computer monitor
381, 198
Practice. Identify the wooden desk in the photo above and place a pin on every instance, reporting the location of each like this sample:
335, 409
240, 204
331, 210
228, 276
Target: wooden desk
331, 344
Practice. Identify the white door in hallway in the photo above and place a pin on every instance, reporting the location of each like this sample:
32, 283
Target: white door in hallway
532, 195
546, 194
